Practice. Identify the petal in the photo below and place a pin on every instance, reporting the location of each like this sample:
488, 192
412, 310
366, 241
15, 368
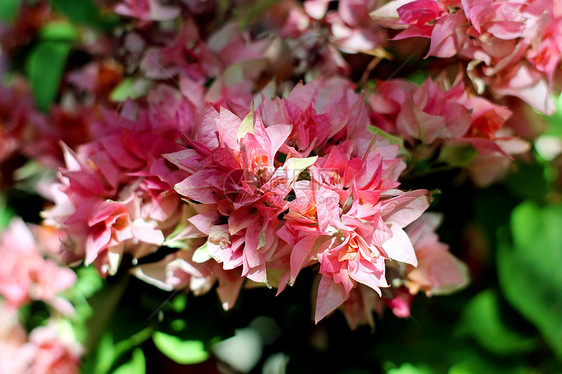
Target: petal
399, 247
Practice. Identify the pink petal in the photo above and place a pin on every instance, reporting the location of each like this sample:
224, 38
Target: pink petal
330, 296
399, 247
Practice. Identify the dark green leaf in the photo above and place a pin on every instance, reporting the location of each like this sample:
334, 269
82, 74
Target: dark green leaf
529, 181
482, 319
44, 69
84, 12
529, 272
9, 10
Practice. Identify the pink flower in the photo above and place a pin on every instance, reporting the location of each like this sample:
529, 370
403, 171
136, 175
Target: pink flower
319, 111
234, 165
359, 307
147, 10
349, 218
438, 271
400, 302
116, 192
186, 55
16, 354
513, 46
53, 354
25, 275
420, 112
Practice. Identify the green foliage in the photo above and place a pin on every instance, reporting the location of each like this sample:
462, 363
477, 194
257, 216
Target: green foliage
130, 88
84, 12
529, 270
484, 321
409, 369
528, 181
555, 121
6, 213
44, 68
59, 30
136, 365
9, 10
181, 351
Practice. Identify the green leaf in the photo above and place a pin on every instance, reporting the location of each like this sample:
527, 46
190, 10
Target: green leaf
137, 364
84, 12
555, 121
9, 10
529, 272
417, 77
247, 125
184, 352
131, 88
201, 254
408, 368
479, 365
6, 213
44, 68
483, 320
59, 30
529, 181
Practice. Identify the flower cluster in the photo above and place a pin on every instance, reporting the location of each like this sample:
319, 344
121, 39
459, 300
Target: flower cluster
26, 276
206, 142
297, 182
512, 47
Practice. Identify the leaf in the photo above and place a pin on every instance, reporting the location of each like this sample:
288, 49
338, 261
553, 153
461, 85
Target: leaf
84, 12
417, 77
59, 30
201, 254
529, 272
529, 181
184, 352
555, 121
478, 365
6, 213
294, 166
44, 68
136, 365
408, 368
130, 88
483, 320
9, 10
247, 125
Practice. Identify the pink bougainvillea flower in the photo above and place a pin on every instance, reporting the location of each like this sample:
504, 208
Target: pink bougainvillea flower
25, 275
236, 168
319, 111
116, 193
16, 354
147, 10
349, 218
400, 302
53, 353
513, 47
418, 113
438, 271
359, 307
170, 60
